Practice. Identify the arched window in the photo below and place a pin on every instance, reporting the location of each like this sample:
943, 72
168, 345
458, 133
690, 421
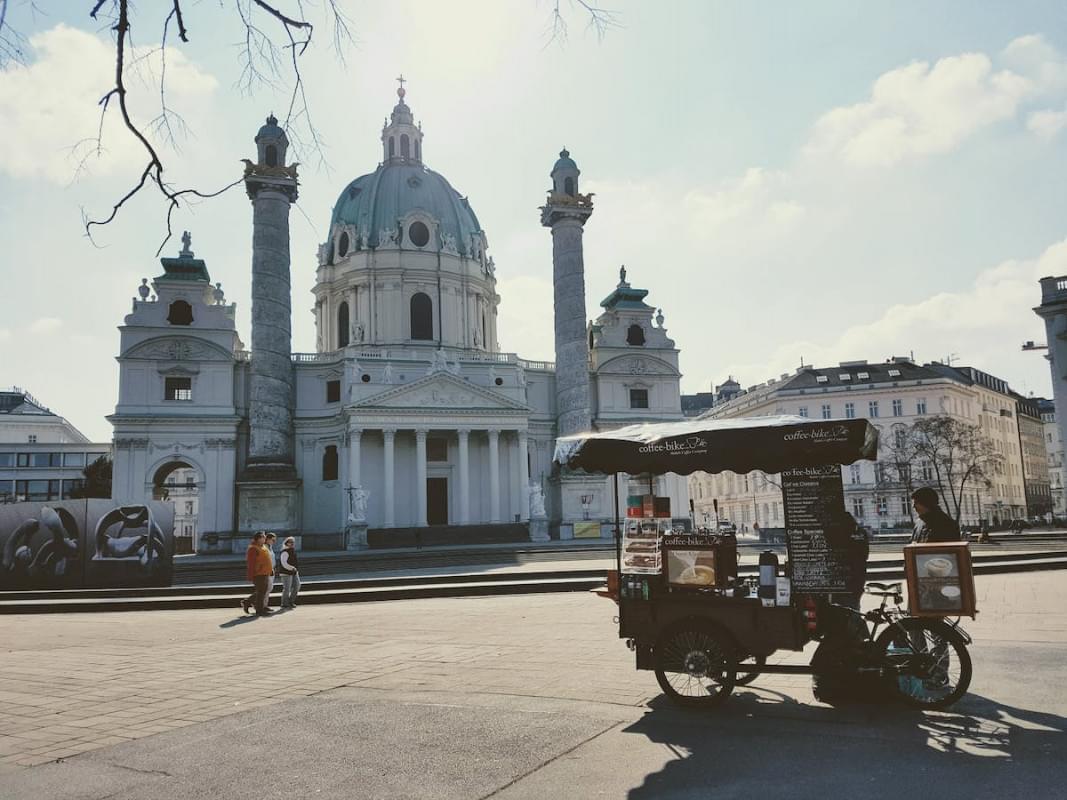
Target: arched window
342, 325
635, 335
342, 245
485, 342
329, 463
568, 186
392, 147
180, 313
405, 146
421, 317
272, 156
418, 151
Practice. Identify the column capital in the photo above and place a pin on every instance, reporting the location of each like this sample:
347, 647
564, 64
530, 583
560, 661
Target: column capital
355, 428
420, 434
464, 432
493, 433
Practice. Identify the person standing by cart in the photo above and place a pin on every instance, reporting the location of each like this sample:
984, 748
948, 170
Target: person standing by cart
934, 525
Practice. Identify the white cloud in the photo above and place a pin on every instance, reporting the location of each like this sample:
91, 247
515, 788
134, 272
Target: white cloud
525, 323
50, 110
45, 325
1047, 124
920, 110
984, 325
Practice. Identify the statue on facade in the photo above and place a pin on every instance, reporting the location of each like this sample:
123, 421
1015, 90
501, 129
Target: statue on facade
358, 497
143, 289
387, 237
218, 294
356, 336
477, 337
659, 317
387, 375
438, 363
537, 501
622, 275
454, 367
448, 244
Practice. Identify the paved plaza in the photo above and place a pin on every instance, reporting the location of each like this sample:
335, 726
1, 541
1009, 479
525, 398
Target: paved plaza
504, 697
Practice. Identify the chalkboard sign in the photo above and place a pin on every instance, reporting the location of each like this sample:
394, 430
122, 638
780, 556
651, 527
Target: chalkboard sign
818, 530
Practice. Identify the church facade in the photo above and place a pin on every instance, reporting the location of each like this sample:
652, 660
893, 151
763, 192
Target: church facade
407, 414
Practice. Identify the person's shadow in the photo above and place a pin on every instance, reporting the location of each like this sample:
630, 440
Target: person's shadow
762, 743
233, 623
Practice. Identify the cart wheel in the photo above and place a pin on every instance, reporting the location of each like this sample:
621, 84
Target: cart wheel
927, 664
742, 678
695, 664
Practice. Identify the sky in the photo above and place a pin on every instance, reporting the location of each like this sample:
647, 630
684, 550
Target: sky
792, 182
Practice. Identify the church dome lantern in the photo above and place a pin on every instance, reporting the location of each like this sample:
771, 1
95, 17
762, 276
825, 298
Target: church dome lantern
565, 175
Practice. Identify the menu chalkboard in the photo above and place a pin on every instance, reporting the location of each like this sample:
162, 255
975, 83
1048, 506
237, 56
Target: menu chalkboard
815, 519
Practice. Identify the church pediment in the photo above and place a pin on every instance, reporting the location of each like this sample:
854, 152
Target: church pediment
178, 348
637, 365
442, 391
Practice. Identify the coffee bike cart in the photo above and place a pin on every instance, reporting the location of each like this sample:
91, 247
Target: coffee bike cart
703, 631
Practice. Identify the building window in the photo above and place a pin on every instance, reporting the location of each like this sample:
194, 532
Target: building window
36, 491
178, 388
272, 156
73, 488
568, 186
329, 463
436, 449
857, 508
342, 244
635, 335
342, 325
850, 410
421, 317
883, 507
7, 459
639, 398
802, 411
854, 473
826, 412
46, 459
24, 459
392, 147
872, 409
405, 146
418, 151
419, 234
920, 406
333, 391
180, 313
898, 408
74, 459
32, 438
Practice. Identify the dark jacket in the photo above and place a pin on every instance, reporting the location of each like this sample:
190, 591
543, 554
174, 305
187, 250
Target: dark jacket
936, 526
288, 562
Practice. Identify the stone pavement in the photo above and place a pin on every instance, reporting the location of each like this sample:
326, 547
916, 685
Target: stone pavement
532, 693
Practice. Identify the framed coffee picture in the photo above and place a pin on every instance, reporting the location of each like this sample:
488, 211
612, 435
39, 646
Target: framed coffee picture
940, 579
691, 566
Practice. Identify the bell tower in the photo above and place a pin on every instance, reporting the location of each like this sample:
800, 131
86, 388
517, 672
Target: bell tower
401, 137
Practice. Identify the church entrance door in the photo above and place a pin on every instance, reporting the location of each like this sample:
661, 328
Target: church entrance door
437, 501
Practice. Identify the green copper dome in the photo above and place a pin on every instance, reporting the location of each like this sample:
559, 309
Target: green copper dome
382, 199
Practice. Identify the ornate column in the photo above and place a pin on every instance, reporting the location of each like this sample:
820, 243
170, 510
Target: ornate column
524, 477
464, 477
420, 476
389, 443
494, 475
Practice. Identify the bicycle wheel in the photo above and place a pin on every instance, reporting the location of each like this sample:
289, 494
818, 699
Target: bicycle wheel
695, 664
742, 678
927, 663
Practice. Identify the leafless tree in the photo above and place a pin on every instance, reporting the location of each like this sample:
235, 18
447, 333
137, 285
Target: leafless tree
276, 35
958, 453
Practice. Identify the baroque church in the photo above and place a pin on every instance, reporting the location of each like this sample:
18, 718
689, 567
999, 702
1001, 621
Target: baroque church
407, 419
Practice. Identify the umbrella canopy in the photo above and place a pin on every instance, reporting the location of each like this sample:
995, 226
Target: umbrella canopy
770, 444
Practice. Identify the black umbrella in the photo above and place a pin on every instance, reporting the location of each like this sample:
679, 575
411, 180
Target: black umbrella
769, 444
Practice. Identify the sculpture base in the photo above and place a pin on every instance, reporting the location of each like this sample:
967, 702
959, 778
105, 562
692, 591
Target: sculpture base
356, 536
539, 530
267, 505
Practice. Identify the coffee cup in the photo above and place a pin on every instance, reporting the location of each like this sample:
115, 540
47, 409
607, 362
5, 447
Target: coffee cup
938, 567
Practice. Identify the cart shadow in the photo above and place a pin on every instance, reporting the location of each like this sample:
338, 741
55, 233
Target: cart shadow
765, 741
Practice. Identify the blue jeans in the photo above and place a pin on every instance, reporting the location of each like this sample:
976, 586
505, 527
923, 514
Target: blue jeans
290, 588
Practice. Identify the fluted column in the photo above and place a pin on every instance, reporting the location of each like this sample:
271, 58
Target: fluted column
524, 477
494, 475
420, 476
389, 444
464, 477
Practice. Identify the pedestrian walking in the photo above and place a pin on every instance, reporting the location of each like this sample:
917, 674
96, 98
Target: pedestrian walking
288, 566
269, 544
934, 525
257, 564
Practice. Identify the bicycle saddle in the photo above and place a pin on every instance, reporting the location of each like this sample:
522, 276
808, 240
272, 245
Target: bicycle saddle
893, 588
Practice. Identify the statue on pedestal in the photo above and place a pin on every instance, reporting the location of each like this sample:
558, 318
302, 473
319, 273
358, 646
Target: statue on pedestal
358, 497
537, 501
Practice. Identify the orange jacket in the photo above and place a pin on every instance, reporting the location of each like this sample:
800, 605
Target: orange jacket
257, 561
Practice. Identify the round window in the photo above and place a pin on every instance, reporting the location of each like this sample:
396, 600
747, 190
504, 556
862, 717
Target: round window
499, 381
365, 377
419, 234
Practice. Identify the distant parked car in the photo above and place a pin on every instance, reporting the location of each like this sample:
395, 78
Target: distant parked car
725, 526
